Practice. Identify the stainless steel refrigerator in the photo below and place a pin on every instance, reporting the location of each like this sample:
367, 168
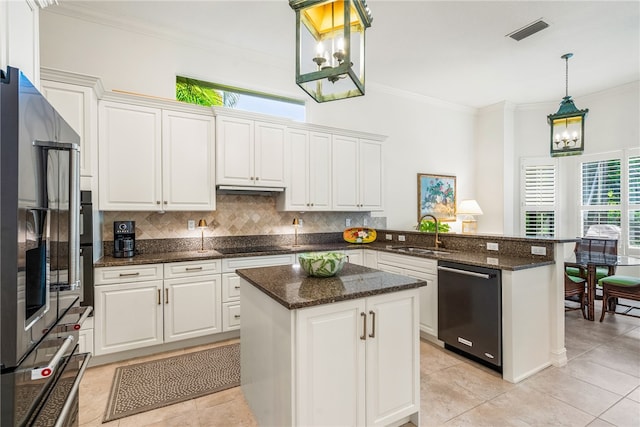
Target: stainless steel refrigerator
39, 259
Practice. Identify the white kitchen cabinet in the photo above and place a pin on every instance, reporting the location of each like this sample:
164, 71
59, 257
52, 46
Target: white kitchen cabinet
154, 159
77, 104
423, 269
357, 174
231, 284
370, 258
19, 38
356, 256
308, 162
135, 307
353, 362
249, 152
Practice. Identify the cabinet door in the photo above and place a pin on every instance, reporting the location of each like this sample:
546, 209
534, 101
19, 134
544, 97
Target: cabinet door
269, 154
297, 160
355, 256
127, 316
370, 175
130, 157
393, 357
234, 151
192, 307
19, 38
370, 258
330, 380
345, 173
188, 162
75, 104
320, 171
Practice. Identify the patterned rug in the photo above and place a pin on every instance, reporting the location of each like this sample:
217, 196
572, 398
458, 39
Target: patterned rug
151, 385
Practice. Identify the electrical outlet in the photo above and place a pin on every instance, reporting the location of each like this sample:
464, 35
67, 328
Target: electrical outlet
191, 225
400, 238
388, 236
347, 222
492, 246
492, 261
538, 250
300, 223
365, 222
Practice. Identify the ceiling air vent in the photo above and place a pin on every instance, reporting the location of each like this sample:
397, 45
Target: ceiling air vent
528, 30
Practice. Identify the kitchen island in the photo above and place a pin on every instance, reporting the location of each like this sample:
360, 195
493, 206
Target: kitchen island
342, 350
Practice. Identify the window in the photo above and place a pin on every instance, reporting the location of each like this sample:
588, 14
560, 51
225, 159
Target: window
211, 94
539, 198
610, 194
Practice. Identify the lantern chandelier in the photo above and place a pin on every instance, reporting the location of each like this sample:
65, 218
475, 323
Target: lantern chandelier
330, 53
567, 125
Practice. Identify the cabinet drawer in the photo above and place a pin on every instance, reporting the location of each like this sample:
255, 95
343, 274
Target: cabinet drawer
230, 316
230, 287
191, 268
130, 273
229, 265
410, 262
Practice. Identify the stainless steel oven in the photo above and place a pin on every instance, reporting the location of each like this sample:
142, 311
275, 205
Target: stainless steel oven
86, 249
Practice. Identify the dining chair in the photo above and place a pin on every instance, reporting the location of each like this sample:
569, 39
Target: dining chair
615, 287
575, 287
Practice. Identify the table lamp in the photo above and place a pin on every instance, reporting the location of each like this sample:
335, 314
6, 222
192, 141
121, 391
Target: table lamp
296, 223
469, 208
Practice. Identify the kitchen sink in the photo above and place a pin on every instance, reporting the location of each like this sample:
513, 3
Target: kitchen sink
419, 251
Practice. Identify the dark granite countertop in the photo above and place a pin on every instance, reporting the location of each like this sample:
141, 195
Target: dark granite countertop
290, 286
481, 259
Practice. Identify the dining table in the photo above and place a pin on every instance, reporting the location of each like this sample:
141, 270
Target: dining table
589, 262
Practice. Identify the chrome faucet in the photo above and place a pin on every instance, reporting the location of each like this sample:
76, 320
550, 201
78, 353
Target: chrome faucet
438, 242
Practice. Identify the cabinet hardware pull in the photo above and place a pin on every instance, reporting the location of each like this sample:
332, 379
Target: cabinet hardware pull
237, 287
373, 324
166, 296
237, 316
364, 326
257, 178
159, 297
157, 202
137, 273
251, 178
165, 202
194, 268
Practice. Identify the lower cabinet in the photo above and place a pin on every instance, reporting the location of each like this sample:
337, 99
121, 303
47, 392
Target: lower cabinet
354, 362
231, 284
419, 268
358, 361
135, 307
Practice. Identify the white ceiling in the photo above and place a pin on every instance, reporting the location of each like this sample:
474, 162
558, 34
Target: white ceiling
454, 51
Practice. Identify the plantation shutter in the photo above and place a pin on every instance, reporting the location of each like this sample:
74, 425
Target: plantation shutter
539, 199
634, 201
600, 192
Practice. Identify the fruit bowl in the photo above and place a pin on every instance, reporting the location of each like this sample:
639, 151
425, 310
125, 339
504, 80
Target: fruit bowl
322, 264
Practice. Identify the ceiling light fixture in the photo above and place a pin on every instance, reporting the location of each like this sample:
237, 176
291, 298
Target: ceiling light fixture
567, 125
330, 54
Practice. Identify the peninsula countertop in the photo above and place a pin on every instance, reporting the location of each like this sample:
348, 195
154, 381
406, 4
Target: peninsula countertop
290, 286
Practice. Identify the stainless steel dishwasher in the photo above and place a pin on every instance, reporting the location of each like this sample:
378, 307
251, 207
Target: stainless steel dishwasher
470, 311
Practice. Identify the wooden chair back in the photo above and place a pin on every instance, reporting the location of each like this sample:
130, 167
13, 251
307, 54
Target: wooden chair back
603, 246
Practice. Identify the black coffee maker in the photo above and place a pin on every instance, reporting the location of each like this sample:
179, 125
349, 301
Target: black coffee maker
124, 239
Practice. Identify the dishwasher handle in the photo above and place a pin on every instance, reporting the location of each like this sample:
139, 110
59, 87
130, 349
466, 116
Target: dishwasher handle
466, 272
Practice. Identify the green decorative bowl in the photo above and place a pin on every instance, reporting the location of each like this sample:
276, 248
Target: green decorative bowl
322, 264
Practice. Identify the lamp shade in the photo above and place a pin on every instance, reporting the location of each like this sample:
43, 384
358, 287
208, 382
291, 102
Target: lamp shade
469, 207
202, 223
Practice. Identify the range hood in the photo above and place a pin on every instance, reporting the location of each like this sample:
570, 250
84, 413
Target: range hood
249, 190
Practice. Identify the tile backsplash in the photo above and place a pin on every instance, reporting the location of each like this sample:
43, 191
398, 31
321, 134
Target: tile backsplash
236, 215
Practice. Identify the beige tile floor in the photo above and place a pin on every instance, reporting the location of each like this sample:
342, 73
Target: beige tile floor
600, 386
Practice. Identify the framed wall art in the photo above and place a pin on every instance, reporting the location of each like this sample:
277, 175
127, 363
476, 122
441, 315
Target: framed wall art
437, 196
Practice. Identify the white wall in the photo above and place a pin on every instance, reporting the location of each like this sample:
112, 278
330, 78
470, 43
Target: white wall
424, 135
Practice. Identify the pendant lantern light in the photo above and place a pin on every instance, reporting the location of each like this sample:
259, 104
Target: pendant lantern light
330, 47
567, 125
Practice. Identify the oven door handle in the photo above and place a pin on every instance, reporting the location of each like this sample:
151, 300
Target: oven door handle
46, 371
68, 404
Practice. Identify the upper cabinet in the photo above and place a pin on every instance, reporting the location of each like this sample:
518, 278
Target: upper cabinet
308, 171
153, 158
249, 152
75, 97
19, 38
357, 174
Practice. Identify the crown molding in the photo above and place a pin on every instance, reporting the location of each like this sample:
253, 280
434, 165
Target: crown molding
69, 77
